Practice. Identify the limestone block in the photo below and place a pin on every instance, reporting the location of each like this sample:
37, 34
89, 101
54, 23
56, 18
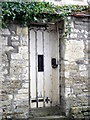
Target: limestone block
71, 66
81, 27
21, 97
23, 76
4, 40
16, 43
73, 35
67, 74
76, 30
86, 36
22, 63
24, 52
10, 97
86, 32
21, 103
89, 32
1, 111
2, 78
72, 24
80, 36
73, 73
77, 89
15, 85
4, 71
22, 115
25, 70
3, 97
82, 67
82, 98
68, 81
82, 31
4, 32
74, 50
25, 85
15, 69
22, 30
20, 76
16, 56
14, 38
6, 103
67, 92
80, 79
24, 40
84, 73
8, 48
85, 19
22, 109
78, 22
65, 62
23, 91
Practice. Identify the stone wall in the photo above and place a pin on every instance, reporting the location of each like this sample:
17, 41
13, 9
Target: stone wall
14, 72
74, 70
75, 67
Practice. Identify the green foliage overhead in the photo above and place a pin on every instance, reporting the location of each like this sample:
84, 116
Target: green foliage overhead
24, 12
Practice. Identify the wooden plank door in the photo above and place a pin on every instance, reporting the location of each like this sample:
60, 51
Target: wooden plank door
44, 74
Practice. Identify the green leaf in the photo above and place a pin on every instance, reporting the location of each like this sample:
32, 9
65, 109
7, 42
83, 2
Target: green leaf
24, 12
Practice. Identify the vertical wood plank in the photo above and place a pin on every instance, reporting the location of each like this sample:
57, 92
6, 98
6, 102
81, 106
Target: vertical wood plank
55, 80
40, 74
44, 70
33, 67
47, 67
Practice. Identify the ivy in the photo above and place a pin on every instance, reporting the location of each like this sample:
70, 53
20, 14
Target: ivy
24, 13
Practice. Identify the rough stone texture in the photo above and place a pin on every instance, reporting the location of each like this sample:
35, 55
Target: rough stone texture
75, 68
14, 72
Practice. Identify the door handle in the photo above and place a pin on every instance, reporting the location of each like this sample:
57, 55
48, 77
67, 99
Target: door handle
53, 62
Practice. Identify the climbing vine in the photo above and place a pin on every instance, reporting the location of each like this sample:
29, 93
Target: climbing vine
24, 12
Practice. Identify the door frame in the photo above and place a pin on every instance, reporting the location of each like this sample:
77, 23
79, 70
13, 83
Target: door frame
45, 27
